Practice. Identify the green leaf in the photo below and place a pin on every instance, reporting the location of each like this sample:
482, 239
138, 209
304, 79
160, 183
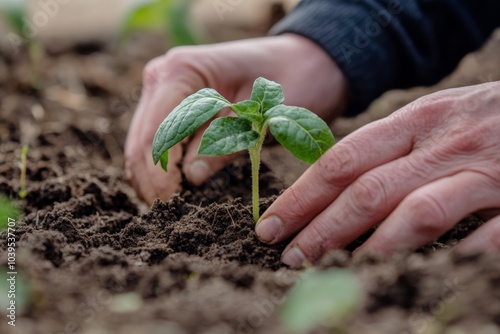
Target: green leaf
321, 298
227, 135
186, 118
300, 131
267, 93
8, 209
248, 109
14, 11
164, 160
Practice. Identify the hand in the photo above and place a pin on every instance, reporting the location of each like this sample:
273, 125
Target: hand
309, 77
417, 172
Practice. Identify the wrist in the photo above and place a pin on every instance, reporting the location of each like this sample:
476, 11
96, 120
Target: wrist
319, 74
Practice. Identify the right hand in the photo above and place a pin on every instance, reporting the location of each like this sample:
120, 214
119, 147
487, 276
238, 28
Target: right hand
310, 79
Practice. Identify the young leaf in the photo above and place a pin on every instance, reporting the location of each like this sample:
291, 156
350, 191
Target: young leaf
321, 298
186, 118
267, 93
227, 135
300, 131
248, 109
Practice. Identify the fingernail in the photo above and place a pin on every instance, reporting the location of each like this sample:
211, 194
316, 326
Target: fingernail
199, 171
294, 257
269, 229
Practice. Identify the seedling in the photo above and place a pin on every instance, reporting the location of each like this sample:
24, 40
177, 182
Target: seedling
300, 131
171, 16
322, 298
24, 154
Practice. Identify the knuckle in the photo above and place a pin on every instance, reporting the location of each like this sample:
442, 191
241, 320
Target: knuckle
428, 215
338, 166
180, 56
151, 76
315, 242
175, 60
300, 209
368, 195
423, 113
467, 137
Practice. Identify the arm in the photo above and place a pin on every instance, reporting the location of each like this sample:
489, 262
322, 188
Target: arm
385, 44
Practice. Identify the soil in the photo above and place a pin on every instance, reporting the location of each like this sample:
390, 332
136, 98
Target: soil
96, 260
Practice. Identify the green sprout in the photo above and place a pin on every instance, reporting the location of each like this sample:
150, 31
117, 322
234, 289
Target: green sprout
24, 154
171, 16
300, 131
8, 209
15, 13
322, 298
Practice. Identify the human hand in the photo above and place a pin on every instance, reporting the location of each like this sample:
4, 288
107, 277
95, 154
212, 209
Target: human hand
417, 172
309, 78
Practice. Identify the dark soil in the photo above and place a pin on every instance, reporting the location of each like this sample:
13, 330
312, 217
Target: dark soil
98, 261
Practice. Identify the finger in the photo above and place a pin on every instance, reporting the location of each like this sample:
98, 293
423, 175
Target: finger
484, 239
199, 168
373, 145
163, 184
365, 203
151, 181
431, 211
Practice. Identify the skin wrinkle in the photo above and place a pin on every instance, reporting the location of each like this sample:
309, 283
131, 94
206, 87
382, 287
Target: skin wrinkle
433, 217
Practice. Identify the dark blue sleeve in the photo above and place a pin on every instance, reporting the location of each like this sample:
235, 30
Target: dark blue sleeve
385, 44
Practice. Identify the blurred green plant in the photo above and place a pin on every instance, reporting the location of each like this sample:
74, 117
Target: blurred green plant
21, 296
322, 298
8, 209
15, 13
170, 16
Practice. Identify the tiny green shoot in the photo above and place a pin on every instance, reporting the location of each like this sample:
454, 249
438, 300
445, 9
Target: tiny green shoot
8, 209
299, 130
24, 162
321, 298
171, 16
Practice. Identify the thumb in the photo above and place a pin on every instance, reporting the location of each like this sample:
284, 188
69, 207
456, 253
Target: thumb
198, 169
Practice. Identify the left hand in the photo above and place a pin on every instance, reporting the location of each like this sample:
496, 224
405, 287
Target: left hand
417, 172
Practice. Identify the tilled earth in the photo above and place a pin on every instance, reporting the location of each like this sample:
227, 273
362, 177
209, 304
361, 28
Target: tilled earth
96, 260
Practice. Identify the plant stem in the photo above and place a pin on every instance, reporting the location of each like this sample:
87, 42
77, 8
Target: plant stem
255, 159
36, 53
